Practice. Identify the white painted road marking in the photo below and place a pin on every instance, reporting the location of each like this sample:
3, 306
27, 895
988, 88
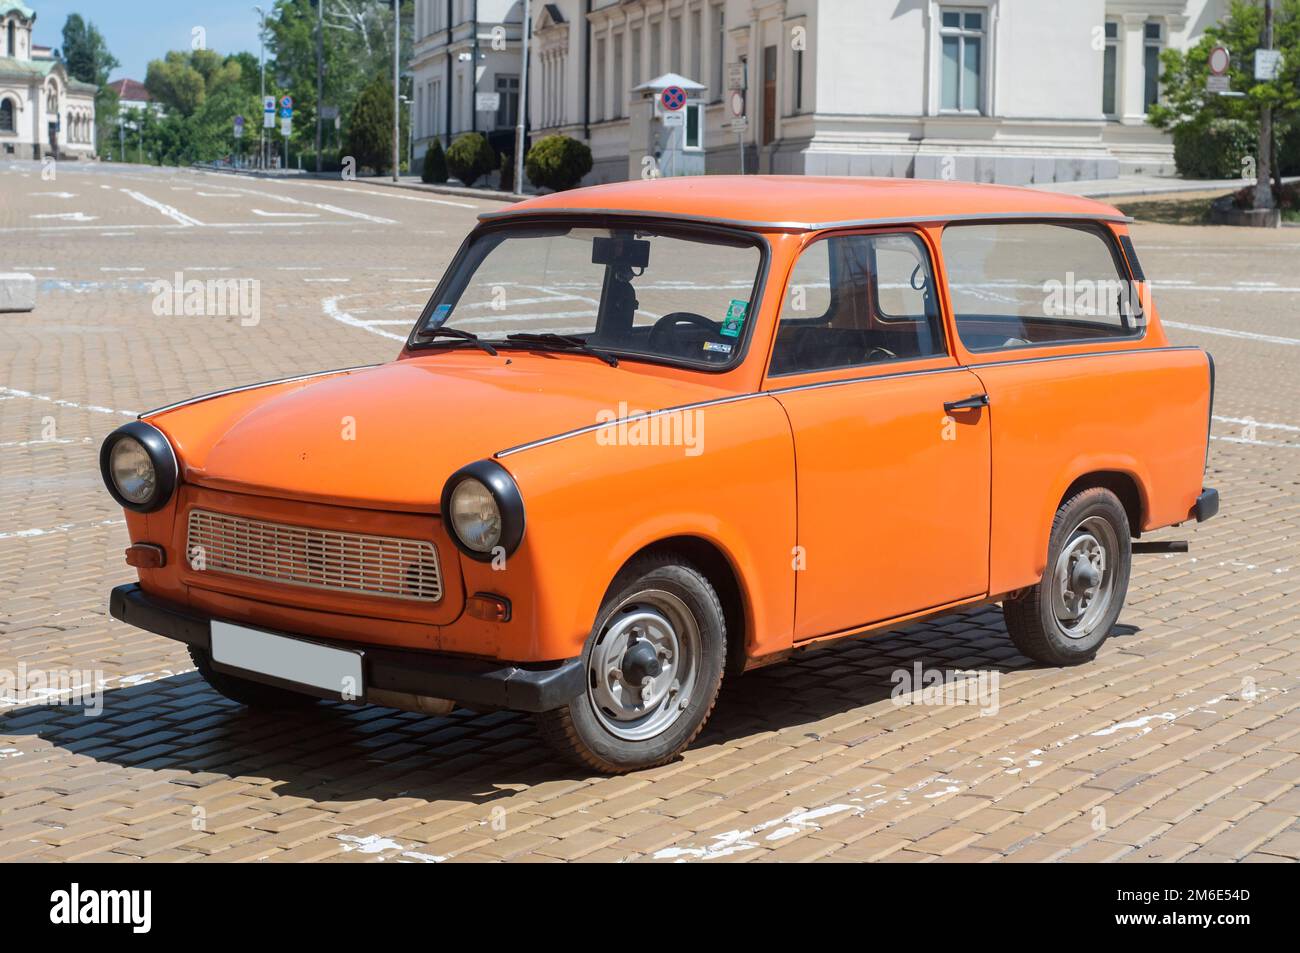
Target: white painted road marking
168, 210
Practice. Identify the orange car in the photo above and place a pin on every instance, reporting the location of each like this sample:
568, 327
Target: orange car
644, 434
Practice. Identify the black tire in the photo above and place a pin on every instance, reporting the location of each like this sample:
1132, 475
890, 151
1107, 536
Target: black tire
1031, 618
580, 734
246, 692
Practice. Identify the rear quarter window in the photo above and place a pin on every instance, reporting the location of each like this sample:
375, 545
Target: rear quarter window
1019, 284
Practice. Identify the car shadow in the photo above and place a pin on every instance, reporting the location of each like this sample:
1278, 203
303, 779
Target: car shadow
340, 753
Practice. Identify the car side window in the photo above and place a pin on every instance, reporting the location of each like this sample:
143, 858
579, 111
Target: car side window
856, 300
1015, 284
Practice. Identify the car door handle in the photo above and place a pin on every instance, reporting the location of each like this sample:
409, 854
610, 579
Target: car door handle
973, 402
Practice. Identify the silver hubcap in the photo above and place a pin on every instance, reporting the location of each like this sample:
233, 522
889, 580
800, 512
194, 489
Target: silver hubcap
642, 668
1084, 578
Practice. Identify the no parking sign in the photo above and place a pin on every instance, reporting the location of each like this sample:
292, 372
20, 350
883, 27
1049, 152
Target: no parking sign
672, 98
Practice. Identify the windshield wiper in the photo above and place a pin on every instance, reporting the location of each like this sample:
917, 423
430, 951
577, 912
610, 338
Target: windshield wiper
443, 331
563, 342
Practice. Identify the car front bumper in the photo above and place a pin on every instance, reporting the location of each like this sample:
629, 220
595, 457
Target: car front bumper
477, 683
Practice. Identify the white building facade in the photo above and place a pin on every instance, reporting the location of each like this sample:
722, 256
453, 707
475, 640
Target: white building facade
1014, 91
43, 112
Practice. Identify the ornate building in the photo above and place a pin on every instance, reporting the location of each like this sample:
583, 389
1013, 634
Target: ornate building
43, 111
1014, 91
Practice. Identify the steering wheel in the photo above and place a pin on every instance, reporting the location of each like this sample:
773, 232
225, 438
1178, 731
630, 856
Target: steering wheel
668, 324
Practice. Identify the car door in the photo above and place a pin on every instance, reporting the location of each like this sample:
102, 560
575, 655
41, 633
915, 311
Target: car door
891, 436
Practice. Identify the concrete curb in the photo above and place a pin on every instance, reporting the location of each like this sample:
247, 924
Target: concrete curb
17, 292
491, 195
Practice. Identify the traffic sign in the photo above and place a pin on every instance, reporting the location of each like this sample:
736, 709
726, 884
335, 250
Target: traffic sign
677, 118
239, 126
736, 102
487, 102
268, 104
286, 127
1220, 60
735, 76
1215, 83
673, 98
286, 112
286, 102
1267, 64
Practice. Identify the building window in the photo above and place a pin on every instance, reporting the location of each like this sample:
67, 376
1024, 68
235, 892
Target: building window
619, 81
1110, 69
694, 133
508, 106
7, 115
637, 77
675, 39
656, 48
719, 51
962, 36
599, 92
13, 40
1151, 62
797, 79
697, 41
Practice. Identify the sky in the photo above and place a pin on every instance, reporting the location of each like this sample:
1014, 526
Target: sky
138, 31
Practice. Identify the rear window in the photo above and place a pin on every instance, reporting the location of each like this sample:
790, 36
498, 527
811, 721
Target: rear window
1027, 283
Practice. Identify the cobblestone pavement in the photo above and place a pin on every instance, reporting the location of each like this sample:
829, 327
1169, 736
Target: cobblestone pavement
1179, 742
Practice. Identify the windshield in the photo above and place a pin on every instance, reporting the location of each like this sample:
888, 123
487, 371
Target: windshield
628, 291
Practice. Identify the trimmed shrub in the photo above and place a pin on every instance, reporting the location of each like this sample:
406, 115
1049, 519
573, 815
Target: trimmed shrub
435, 163
1288, 151
557, 162
369, 134
470, 158
1215, 149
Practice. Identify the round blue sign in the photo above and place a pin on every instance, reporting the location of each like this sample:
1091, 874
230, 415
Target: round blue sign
673, 98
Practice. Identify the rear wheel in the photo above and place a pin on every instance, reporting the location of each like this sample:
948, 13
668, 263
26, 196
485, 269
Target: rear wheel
654, 664
247, 692
1066, 617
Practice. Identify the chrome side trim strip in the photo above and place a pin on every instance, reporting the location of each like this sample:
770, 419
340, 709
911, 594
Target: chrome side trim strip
591, 428
235, 390
516, 212
974, 368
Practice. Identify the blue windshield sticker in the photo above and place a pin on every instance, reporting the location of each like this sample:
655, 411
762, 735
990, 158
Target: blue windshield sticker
441, 313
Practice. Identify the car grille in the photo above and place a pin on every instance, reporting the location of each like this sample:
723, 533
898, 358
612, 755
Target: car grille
315, 558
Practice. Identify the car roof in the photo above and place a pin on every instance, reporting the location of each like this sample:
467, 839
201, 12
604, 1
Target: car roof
806, 203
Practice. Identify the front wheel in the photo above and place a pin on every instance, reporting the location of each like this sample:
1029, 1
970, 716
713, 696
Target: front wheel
1066, 617
654, 663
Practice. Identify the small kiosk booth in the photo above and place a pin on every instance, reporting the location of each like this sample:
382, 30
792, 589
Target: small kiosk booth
666, 128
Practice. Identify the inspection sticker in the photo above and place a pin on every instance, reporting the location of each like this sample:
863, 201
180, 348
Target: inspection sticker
717, 346
735, 319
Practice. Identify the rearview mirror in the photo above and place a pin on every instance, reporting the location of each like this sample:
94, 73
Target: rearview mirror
620, 252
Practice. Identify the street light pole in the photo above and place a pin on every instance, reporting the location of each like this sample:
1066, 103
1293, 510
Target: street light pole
1264, 165
261, 57
320, 71
522, 119
397, 105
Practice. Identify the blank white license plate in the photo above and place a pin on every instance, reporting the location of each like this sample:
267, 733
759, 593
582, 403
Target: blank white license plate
320, 666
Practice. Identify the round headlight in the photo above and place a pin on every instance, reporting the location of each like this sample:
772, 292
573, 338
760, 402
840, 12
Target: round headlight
139, 466
483, 511
475, 516
132, 471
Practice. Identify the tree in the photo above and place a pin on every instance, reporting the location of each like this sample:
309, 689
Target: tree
1186, 102
470, 157
557, 162
435, 163
85, 53
86, 56
369, 136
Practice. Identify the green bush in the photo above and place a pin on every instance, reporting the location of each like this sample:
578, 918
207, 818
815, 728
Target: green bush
435, 163
1214, 149
470, 158
557, 162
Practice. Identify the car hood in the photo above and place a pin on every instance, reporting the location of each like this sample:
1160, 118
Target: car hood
389, 436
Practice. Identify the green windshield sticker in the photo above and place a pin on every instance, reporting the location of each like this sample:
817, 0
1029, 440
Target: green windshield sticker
735, 319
